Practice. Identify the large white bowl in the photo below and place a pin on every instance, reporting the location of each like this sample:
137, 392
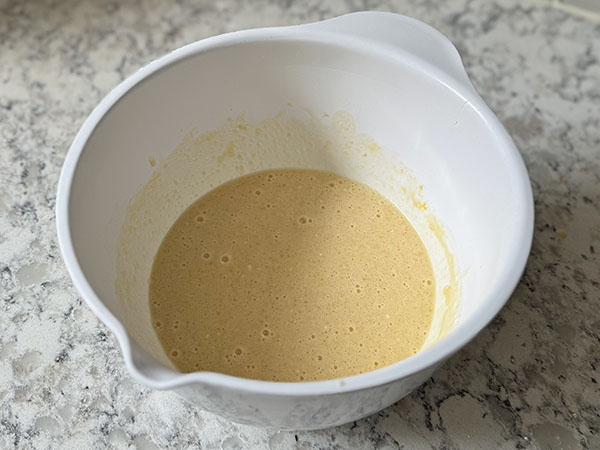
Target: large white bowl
405, 85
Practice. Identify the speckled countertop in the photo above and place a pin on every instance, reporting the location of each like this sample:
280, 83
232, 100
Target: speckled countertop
530, 380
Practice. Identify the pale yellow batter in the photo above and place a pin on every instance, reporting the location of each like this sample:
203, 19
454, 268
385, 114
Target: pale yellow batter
291, 275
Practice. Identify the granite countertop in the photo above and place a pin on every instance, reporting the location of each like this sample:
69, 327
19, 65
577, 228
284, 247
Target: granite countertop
530, 380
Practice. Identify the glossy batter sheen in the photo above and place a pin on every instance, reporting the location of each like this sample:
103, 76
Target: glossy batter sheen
291, 275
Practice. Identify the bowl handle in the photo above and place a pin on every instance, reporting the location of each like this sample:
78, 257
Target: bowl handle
404, 33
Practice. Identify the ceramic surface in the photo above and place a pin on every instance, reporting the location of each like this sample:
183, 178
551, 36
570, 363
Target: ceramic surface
405, 86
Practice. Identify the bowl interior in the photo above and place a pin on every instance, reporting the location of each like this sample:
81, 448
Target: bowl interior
468, 176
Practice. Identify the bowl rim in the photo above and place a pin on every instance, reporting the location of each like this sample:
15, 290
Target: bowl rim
488, 307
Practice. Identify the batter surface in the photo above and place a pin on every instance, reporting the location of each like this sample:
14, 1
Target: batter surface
291, 275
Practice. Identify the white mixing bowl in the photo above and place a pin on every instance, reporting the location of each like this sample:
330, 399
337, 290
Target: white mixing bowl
404, 84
